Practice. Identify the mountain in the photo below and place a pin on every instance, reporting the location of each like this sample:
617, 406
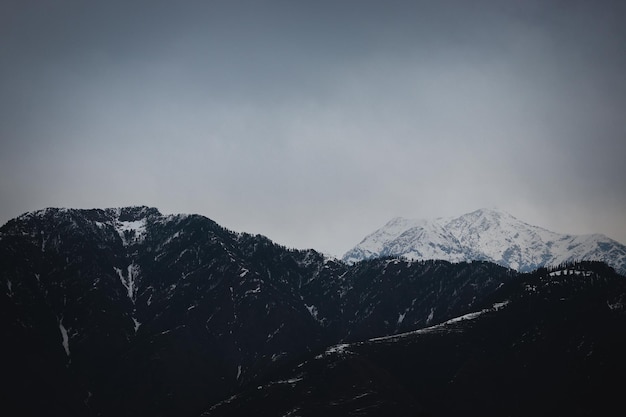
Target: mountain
128, 312
486, 234
546, 343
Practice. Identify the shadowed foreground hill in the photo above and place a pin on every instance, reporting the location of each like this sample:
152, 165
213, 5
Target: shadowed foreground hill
127, 312
547, 343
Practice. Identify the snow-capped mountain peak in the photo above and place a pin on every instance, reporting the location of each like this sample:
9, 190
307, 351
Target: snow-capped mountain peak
486, 234
407, 236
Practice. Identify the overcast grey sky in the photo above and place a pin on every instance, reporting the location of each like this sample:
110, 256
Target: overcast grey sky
315, 122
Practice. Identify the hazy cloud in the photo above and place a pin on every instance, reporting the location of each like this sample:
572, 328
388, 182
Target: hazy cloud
316, 122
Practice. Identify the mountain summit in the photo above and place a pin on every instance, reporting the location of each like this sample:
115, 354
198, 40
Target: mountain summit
128, 312
486, 234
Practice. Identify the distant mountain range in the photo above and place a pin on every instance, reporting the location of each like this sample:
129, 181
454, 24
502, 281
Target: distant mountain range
486, 234
128, 312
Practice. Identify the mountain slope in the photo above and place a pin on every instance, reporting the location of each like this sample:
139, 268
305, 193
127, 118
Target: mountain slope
547, 343
135, 305
486, 234
130, 312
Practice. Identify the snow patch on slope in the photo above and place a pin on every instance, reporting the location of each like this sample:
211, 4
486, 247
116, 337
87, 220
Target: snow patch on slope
446, 326
129, 280
131, 231
65, 340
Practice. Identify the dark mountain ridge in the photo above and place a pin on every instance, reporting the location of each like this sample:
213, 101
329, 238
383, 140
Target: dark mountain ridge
130, 312
547, 343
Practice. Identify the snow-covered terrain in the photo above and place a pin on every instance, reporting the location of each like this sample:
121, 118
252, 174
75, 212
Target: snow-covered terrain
486, 234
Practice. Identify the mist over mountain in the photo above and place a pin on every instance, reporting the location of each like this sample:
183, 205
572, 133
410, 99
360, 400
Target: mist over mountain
486, 234
128, 312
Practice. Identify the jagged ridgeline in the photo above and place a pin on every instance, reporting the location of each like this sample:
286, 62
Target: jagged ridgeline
130, 312
487, 234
